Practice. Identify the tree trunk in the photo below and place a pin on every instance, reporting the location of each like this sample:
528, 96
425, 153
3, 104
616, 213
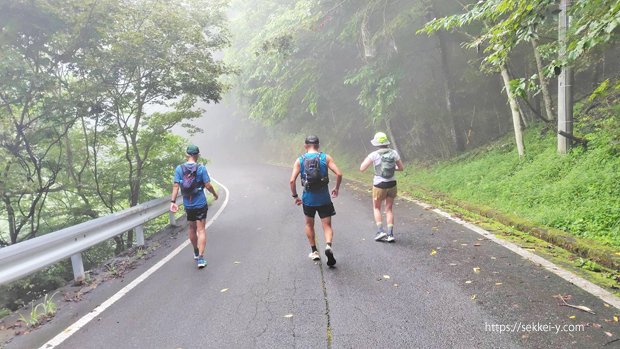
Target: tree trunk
456, 132
514, 108
544, 85
11, 220
120, 244
388, 126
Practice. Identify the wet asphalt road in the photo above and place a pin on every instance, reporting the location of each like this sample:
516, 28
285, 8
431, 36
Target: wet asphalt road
379, 295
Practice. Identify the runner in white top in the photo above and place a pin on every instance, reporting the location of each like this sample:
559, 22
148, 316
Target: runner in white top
385, 161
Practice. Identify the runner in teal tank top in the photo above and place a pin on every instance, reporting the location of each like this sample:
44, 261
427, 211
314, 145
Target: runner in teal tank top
313, 168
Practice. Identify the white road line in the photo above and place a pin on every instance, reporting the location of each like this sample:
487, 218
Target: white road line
76, 326
584, 284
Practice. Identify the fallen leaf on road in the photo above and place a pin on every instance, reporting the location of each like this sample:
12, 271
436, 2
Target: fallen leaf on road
387, 277
473, 297
595, 325
606, 305
288, 316
433, 252
615, 318
572, 317
224, 290
498, 283
609, 334
468, 282
476, 244
582, 307
476, 270
493, 258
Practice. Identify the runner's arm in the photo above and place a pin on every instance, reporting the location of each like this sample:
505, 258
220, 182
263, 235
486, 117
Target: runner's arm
293, 185
332, 166
211, 190
365, 164
399, 165
175, 192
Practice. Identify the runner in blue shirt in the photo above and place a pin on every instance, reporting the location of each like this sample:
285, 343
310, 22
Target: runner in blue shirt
191, 179
313, 168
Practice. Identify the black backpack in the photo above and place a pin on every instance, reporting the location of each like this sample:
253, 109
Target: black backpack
312, 175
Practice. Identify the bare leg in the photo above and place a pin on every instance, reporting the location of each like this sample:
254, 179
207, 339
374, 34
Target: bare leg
327, 229
376, 203
192, 233
310, 230
389, 211
201, 238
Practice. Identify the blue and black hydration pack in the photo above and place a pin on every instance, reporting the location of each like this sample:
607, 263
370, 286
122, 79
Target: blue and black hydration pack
190, 185
313, 175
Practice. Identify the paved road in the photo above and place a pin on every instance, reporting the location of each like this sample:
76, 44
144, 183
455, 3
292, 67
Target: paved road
277, 298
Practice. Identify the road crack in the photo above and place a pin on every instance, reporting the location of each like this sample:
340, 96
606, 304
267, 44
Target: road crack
327, 315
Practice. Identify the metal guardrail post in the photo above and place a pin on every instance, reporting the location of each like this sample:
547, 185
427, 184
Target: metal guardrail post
139, 235
78, 268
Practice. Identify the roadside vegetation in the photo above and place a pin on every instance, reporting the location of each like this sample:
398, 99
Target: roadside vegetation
578, 193
90, 91
466, 91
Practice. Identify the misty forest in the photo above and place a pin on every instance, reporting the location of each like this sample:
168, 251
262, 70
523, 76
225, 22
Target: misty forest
98, 99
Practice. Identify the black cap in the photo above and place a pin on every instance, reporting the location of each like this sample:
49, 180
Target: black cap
312, 140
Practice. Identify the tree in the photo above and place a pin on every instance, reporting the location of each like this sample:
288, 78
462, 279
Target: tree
37, 41
88, 83
157, 55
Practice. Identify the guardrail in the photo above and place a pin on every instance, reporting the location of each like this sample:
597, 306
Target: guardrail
21, 259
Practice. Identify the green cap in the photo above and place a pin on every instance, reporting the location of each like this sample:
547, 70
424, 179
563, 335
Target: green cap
192, 149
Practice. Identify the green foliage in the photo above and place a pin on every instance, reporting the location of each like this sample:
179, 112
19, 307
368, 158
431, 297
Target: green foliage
19, 293
89, 94
594, 24
41, 311
377, 93
577, 193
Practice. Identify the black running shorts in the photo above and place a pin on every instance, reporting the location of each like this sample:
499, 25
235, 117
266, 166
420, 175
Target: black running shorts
324, 211
197, 214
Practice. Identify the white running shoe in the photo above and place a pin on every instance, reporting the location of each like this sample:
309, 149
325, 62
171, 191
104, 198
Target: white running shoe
380, 236
314, 256
390, 238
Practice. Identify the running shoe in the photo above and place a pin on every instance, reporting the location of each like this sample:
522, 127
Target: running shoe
380, 236
331, 261
196, 254
390, 238
201, 262
314, 256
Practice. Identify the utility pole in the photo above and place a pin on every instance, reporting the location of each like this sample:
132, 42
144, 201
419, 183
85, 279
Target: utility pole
565, 85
